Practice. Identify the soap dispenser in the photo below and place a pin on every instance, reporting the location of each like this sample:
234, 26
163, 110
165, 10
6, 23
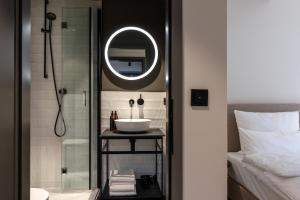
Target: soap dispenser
115, 118
111, 121
116, 115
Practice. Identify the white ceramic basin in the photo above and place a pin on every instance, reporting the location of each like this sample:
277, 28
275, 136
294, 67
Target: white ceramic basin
132, 125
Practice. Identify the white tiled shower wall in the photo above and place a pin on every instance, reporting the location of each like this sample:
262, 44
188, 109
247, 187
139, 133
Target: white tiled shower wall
45, 147
46, 152
153, 109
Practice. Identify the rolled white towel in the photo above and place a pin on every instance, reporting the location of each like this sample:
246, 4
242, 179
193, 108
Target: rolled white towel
122, 188
120, 194
122, 179
133, 182
122, 173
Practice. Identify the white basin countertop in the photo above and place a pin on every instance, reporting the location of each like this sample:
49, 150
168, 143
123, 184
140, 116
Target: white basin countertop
133, 120
133, 125
151, 133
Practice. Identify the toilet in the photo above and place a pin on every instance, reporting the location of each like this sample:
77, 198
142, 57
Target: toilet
38, 194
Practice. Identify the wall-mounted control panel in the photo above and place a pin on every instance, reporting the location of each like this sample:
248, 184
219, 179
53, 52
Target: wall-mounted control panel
199, 97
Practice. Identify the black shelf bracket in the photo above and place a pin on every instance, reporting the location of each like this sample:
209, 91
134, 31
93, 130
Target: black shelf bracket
132, 152
132, 144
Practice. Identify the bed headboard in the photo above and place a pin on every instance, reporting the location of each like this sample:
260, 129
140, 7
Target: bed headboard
232, 131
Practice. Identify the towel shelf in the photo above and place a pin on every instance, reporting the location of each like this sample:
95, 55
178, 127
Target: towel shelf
154, 191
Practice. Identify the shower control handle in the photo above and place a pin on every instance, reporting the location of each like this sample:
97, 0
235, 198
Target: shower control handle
84, 97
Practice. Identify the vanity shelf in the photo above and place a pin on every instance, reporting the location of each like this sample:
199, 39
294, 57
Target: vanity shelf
152, 134
153, 192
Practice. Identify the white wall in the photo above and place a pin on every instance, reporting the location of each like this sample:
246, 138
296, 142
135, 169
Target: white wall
205, 138
263, 51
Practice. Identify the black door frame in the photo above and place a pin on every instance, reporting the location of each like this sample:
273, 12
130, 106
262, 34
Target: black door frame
15, 78
21, 88
175, 99
24, 99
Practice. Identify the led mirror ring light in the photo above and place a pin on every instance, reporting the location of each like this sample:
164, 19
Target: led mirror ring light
131, 29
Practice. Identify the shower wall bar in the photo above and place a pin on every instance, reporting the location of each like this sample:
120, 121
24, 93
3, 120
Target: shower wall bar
44, 30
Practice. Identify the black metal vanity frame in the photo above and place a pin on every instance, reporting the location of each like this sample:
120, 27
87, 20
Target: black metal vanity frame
153, 192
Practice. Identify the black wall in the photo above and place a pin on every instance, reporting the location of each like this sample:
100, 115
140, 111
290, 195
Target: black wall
146, 14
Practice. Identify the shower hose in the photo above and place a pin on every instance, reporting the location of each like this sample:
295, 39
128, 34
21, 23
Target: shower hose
58, 133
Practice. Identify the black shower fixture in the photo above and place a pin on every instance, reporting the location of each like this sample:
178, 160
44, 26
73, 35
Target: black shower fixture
44, 30
62, 91
50, 17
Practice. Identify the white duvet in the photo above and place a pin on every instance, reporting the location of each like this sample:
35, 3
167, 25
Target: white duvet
270, 144
281, 164
280, 170
279, 160
274, 152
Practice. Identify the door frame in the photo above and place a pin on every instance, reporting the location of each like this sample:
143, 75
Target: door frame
22, 98
175, 101
18, 156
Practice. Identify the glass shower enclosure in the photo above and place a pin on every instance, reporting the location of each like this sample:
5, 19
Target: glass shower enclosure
77, 149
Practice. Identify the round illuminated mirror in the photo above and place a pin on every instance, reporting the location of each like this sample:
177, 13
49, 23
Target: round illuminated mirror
131, 53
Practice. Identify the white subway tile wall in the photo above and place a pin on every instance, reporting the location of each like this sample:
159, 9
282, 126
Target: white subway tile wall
153, 108
45, 147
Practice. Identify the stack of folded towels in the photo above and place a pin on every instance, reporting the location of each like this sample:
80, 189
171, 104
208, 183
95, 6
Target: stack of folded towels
122, 183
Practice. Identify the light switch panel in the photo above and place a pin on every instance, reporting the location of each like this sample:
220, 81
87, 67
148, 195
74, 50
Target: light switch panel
199, 97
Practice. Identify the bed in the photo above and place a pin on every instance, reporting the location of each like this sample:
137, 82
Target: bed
247, 182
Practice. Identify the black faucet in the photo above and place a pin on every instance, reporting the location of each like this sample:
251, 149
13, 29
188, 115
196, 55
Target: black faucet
140, 101
131, 102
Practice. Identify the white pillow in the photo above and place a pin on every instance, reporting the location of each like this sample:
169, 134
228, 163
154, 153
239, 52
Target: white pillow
280, 121
269, 142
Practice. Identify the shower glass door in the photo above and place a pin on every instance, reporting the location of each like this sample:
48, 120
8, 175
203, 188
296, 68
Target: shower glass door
76, 103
